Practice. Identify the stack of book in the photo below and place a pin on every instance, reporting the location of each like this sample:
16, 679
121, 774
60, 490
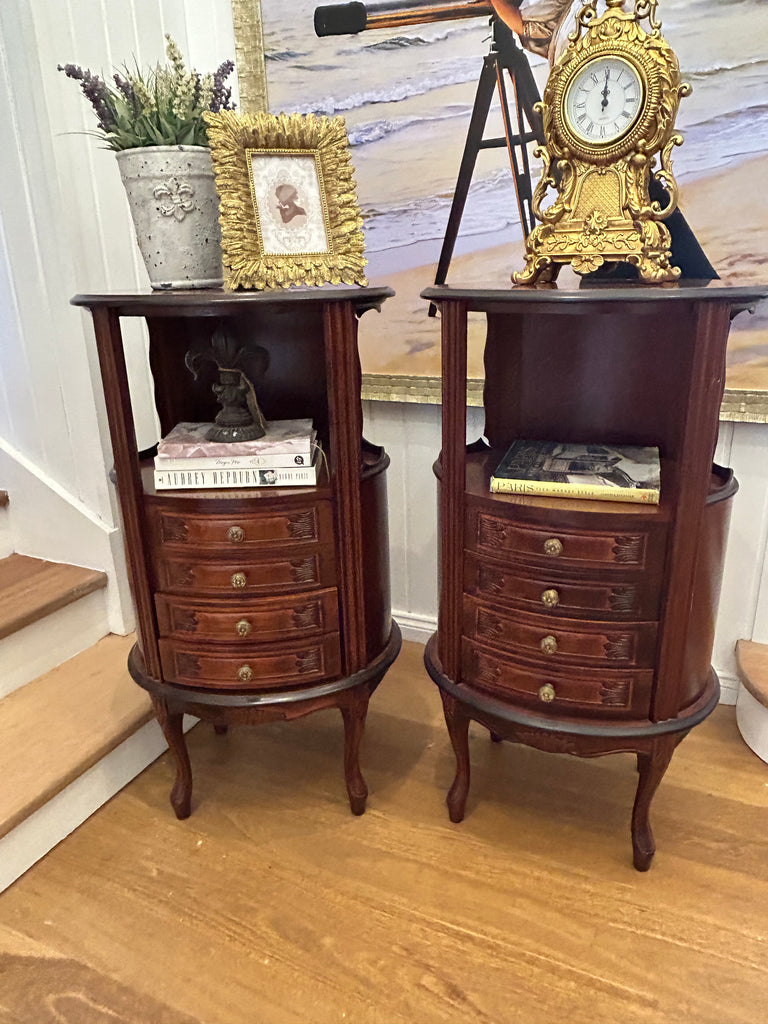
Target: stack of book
603, 472
288, 455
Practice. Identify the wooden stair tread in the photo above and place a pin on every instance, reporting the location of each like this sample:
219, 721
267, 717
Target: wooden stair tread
31, 588
60, 725
752, 666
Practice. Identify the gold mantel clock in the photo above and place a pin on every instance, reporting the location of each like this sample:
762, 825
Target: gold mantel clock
609, 110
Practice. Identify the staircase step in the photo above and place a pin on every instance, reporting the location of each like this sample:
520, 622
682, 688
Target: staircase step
752, 702
31, 588
58, 726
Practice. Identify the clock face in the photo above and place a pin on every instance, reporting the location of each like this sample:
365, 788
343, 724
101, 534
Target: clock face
603, 100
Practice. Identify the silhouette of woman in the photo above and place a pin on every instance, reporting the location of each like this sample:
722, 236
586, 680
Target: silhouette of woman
287, 203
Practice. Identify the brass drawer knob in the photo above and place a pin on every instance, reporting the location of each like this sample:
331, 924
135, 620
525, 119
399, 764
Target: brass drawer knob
547, 693
236, 534
550, 598
243, 627
238, 580
553, 547
549, 645
245, 674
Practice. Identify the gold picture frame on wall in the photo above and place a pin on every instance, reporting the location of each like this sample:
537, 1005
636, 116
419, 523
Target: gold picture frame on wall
288, 204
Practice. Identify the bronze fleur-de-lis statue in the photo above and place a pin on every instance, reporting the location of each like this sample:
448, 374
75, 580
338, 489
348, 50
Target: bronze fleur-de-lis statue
240, 418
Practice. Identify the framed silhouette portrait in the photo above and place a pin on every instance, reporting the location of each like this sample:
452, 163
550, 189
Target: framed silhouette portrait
288, 207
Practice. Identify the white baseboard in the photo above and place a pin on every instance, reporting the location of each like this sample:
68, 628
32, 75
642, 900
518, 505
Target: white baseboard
418, 628
729, 687
52, 640
60, 816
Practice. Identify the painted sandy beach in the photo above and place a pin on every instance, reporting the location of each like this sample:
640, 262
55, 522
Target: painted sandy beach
735, 242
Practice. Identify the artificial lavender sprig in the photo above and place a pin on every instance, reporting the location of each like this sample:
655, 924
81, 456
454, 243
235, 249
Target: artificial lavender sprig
160, 107
221, 94
95, 91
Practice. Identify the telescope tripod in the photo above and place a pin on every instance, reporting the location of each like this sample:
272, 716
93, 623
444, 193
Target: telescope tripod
504, 56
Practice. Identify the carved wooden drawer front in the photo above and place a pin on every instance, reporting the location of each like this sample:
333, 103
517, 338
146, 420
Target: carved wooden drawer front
617, 694
632, 598
249, 622
243, 532
253, 667
294, 570
504, 537
564, 642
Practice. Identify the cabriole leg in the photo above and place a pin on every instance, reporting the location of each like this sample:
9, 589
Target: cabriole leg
171, 722
458, 729
354, 723
651, 768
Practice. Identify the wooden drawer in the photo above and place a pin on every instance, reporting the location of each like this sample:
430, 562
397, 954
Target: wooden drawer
632, 597
245, 622
253, 667
285, 571
603, 693
243, 532
507, 538
567, 641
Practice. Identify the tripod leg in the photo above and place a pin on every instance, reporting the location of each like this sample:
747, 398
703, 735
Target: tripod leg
485, 88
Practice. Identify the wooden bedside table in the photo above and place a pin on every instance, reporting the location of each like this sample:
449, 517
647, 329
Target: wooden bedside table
583, 626
262, 603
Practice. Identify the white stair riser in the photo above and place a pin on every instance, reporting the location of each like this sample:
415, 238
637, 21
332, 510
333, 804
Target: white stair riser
43, 645
55, 820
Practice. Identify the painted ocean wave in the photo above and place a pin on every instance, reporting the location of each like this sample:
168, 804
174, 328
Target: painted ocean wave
713, 70
457, 73
491, 206
283, 55
375, 131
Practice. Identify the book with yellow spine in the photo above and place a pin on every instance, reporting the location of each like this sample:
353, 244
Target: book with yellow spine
599, 471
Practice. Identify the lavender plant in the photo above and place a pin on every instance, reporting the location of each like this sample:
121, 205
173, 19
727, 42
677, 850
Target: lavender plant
161, 107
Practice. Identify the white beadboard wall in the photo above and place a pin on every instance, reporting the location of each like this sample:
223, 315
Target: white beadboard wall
65, 228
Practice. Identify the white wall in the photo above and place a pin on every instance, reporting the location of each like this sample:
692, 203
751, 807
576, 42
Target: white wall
65, 228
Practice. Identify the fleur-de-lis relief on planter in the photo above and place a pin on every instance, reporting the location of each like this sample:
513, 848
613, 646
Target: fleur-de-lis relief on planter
175, 198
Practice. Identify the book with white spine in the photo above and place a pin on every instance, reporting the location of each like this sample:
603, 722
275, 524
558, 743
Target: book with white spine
215, 479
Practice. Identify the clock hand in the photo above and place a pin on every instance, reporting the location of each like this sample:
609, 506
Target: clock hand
605, 90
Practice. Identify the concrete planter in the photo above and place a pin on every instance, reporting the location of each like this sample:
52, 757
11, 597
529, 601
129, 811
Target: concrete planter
172, 195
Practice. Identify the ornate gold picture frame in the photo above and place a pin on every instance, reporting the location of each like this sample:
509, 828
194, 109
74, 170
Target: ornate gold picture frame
288, 204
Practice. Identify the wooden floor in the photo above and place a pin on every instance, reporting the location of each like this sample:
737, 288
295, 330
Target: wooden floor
273, 904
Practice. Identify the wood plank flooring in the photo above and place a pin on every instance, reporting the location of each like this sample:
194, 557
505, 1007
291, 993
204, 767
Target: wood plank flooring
272, 903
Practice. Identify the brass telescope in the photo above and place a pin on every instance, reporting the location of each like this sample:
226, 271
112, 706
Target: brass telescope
351, 18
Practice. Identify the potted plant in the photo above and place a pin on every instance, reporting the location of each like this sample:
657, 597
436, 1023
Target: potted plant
154, 122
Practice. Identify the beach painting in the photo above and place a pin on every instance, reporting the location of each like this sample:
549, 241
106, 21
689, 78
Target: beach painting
407, 94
